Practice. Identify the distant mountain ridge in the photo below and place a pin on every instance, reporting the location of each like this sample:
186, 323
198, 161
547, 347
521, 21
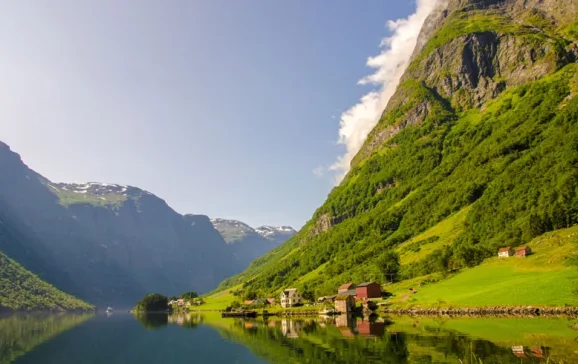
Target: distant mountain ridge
109, 243
248, 243
232, 229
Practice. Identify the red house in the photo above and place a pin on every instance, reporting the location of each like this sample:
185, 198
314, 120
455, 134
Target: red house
523, 251
368, 290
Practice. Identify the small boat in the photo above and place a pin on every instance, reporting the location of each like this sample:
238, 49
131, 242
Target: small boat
109, 309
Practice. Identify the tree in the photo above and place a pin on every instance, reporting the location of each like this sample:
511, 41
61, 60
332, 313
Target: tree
308, 295
153, 302
389, 265
559, 216
250, 295
189, 295
536, 225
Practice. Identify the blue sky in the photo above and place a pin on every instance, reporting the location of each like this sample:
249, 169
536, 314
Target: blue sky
219, 107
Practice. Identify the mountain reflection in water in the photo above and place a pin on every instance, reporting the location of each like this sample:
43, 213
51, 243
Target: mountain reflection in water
195, 337
347, 339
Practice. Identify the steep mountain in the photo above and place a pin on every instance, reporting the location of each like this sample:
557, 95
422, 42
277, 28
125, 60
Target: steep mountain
21, 290
477, 149
247, 243
110, 243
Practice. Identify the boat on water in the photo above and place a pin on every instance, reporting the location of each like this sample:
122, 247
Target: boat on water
109, 310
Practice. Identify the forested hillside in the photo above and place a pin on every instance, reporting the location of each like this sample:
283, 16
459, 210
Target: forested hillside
481, 135
21, 290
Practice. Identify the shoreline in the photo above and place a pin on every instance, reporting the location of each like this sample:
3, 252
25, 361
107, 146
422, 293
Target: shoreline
502, 311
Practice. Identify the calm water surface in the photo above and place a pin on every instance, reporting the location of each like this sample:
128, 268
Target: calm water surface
195, 338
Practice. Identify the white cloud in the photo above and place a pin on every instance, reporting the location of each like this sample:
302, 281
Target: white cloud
390, 64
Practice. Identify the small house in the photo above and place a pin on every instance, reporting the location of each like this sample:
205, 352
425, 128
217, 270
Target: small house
271, 301
368, 290
505, 252
346, 287
290, 297
523, 251
180, 302
261, 301
344, 303
330, 299
518, 350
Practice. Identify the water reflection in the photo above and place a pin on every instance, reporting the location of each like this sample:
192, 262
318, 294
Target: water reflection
194, 337
349, 339
152, 321
22, 333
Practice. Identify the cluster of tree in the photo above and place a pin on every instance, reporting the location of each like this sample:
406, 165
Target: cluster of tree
153, 302
187, 296
514, 164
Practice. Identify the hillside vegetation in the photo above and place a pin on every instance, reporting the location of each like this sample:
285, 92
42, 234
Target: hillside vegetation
478, 149
21, 290
549, 276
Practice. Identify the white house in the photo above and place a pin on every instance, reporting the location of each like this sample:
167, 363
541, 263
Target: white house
290, 297
505, 252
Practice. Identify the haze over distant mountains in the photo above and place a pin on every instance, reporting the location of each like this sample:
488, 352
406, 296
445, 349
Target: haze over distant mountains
109, 244
249, 243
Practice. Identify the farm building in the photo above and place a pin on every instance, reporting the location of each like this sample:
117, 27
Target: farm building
329, 299
344, 303
505, 252
345, 287
523, 251
368, 290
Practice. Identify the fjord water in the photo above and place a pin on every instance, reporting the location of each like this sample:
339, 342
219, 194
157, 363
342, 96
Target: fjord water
195, 338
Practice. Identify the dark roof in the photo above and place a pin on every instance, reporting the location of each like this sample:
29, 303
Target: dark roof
366, 284
522, 248
504, 250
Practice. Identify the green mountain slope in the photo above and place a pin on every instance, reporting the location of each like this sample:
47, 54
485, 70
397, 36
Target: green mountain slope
483, 125
21, 290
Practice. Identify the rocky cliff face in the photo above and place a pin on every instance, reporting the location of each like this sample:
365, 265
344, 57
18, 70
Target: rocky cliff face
470, 51
114, 242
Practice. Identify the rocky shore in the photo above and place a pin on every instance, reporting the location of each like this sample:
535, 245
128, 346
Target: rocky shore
485, 311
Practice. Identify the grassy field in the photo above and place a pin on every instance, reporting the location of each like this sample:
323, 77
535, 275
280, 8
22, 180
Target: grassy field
543, 278
219, 301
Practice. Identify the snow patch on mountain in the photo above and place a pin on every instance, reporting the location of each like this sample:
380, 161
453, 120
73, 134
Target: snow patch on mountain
267, 231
